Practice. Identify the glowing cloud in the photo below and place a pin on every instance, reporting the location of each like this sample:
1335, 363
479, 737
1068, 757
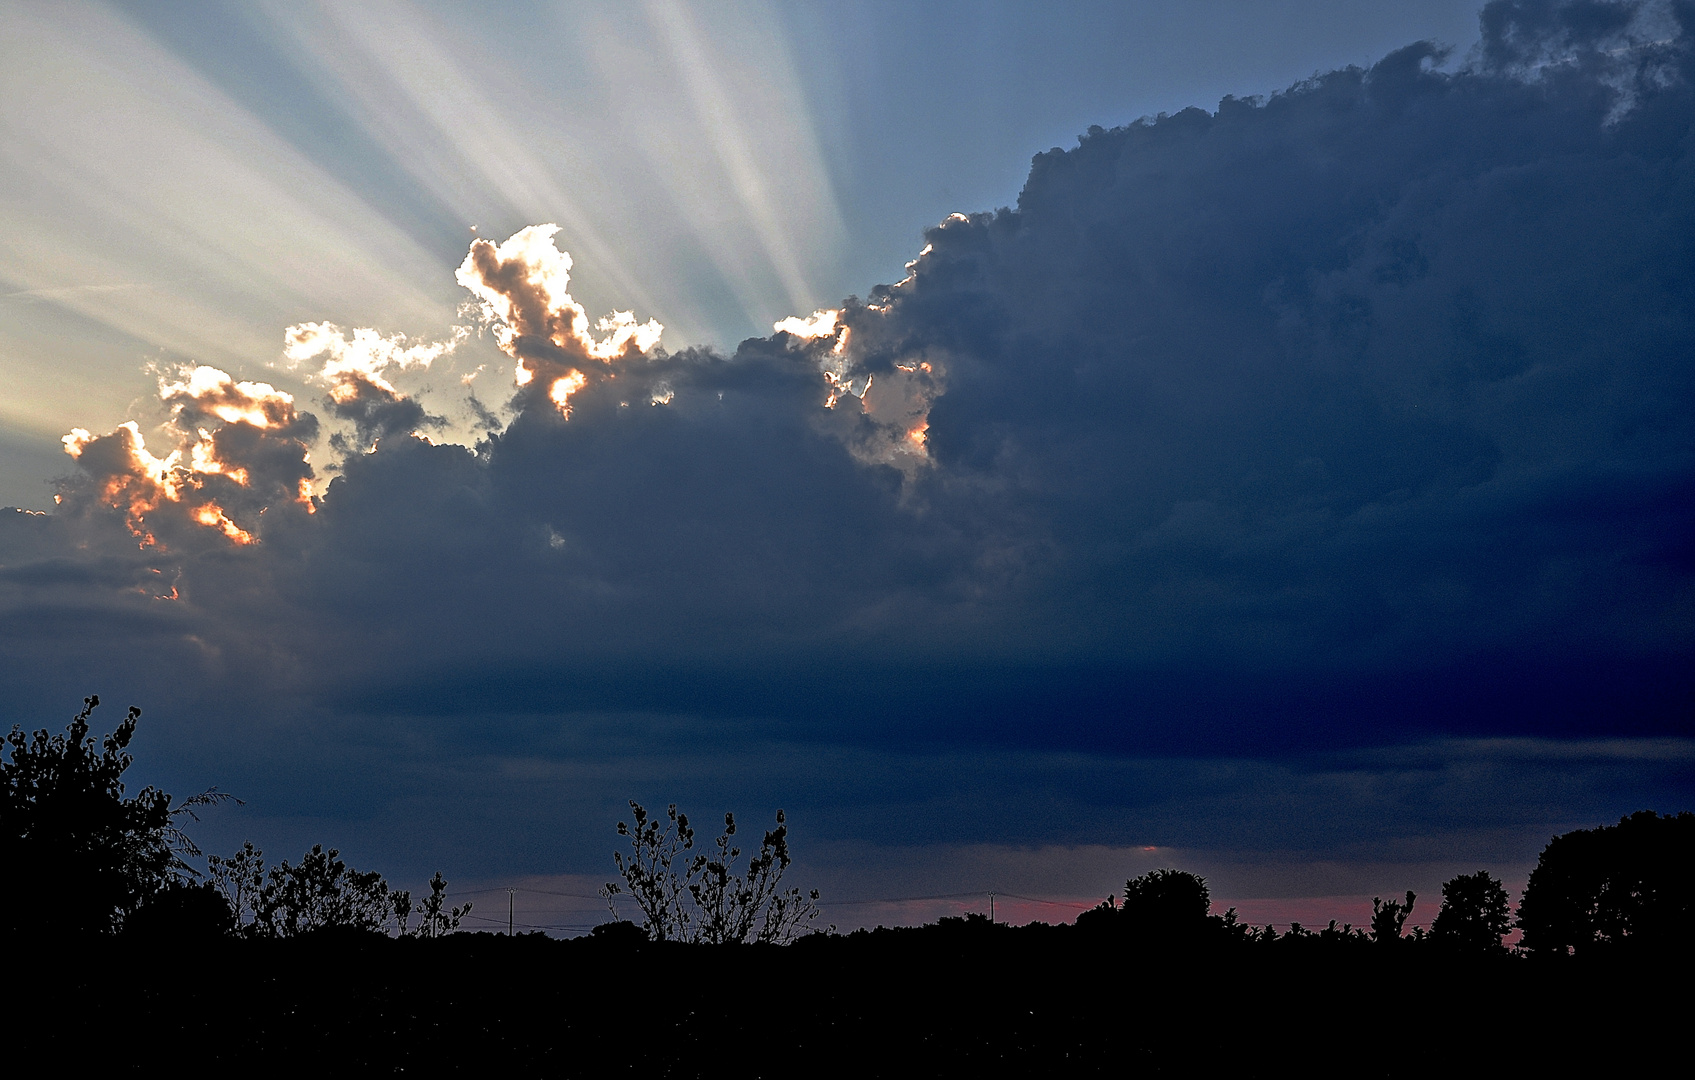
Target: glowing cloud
821, 324
891, 425
208, 392
523, 294
241, 450
562, 389
360, 360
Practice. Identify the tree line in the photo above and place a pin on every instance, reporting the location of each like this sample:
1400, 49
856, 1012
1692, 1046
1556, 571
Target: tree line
118, 864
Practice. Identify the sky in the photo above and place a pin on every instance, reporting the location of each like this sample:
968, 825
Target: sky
1028, 445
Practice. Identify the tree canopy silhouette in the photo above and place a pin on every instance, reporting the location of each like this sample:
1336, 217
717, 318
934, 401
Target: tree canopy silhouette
1630, 884
1389, 918
1474, 916
1175, 899
1161, 905
65, 825
322, 892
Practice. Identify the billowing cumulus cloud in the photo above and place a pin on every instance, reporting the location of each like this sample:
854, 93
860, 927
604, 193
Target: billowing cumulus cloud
523, 293
1357, 416
356, 369
238, 450
855, 352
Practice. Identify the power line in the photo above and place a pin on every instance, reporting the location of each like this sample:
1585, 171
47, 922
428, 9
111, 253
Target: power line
904, 899
521, 888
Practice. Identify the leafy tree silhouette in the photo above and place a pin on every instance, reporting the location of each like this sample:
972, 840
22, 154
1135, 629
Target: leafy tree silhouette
1389, 917
1474, 916
181, 913
435, 916
1630, 884
65, 823
1172, 900
702, 898
651, 874
1161, 904
321, 892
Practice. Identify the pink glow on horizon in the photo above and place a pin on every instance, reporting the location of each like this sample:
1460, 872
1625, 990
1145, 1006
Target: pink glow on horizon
566, 905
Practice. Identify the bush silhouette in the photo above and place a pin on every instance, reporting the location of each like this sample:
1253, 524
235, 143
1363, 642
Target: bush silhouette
1172, 900
701, 897
181, 914
322, 892
1389, 917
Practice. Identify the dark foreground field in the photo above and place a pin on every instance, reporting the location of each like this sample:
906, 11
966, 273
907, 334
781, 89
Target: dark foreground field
961, 1001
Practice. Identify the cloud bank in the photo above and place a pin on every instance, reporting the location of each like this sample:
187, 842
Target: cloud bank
1357, 416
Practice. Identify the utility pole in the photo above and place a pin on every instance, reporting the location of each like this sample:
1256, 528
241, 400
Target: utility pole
509, 894
991, 909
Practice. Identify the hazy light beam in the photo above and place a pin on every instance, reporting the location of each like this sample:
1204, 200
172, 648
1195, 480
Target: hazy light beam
389, 62
142, 199
721, 120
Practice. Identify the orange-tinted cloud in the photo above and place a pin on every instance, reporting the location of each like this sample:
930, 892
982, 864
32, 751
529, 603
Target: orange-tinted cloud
239, 451
356, 368
356, 363
523, 295
894, 388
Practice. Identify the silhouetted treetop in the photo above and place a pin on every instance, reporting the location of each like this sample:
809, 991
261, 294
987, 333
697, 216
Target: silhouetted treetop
321, 892
1630, 884
1159, 905
703, 897
1169, 898
1389, 918
1475, 915
65, 825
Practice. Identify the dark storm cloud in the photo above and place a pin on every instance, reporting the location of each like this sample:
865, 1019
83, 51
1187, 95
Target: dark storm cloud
1359, 415
1387, 376
1360, 409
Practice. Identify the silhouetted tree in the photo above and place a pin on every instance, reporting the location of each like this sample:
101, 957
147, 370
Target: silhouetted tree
1389, 917
1627, 884
1474, 916
1101, 918
435, 916
320, 892
735, 907
240, 879
179, 840
1167, 896
1171, 901
182, 913
77, 855
651, 874
1345, 933
1159, 905
621, 934
705, 899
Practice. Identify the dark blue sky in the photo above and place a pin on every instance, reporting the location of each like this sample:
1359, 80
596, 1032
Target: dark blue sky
1299, 489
